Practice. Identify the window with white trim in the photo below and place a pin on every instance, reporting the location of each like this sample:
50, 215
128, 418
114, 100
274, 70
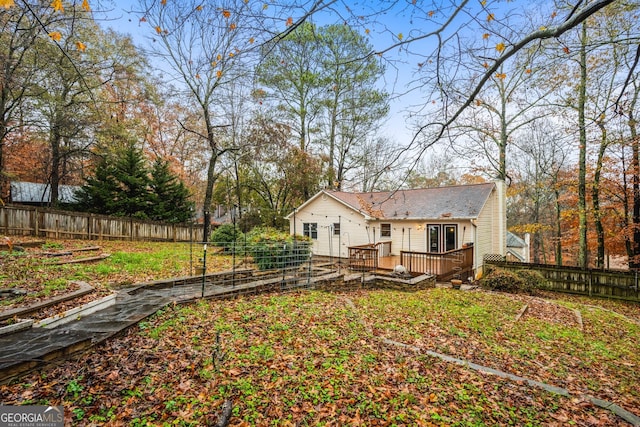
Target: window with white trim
310, 229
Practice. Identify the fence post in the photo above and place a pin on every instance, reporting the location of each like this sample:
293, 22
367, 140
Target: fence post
6, 221
284, 263
36, 223
309, 256
204, 266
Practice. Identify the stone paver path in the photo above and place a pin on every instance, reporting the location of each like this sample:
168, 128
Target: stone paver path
27, 349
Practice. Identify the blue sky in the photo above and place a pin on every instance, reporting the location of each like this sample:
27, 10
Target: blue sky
384, 30
381, 34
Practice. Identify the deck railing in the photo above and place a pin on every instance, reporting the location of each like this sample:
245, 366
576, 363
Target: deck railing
365, 257
457, 263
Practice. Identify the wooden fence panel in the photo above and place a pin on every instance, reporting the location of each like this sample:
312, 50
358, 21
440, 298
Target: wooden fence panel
18, 222
60, 224
591, 282
41, 222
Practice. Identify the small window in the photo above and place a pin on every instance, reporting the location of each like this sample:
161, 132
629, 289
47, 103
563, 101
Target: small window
385, 230
336, 228
310, 229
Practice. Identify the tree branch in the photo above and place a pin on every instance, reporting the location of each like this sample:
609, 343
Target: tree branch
628, 79
572, 21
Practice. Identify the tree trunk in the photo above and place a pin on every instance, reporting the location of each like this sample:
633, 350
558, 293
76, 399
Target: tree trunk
634, 259
238, 190
211, 177
627, 208
54, 174
331, 173
582, 160
504, 138
595, 194
558, 228
208, 197
4, 187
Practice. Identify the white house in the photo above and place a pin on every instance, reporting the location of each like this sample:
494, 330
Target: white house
432, 221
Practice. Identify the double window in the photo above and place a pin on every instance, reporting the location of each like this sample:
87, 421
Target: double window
441, 238
310, 229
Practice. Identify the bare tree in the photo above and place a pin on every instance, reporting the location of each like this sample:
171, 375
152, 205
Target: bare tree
202, 46
20, 30
535, 207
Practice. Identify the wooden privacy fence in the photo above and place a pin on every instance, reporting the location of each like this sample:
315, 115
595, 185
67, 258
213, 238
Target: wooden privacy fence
593, 282
41, 222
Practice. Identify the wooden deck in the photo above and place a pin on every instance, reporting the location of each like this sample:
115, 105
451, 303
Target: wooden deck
457, 263
388, 262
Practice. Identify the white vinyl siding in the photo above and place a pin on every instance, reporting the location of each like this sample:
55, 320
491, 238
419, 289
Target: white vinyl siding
327, 212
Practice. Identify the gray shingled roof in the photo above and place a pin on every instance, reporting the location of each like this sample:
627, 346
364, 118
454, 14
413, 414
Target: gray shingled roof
31, 192
460, 201
514, 241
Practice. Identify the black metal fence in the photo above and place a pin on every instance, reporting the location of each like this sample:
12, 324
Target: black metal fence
282, 266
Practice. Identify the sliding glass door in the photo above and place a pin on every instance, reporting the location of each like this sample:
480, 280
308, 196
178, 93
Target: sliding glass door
442, 238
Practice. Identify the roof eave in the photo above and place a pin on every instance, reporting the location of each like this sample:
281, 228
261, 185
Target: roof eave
459, 218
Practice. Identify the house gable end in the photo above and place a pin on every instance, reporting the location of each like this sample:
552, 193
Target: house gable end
322, 195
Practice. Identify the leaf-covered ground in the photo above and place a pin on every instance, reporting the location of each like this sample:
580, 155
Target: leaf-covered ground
317, 358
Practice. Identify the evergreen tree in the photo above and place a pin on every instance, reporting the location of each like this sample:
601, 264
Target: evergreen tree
120, 186
169, 196
131, 173
124, 185
97, 195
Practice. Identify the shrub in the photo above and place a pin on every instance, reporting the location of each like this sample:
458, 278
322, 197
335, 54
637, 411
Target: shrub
532, 280
274, 249
523, 281
225, 236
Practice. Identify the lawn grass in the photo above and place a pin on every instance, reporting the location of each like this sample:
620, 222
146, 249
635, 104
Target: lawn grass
129, 263
601, 358
317, 358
